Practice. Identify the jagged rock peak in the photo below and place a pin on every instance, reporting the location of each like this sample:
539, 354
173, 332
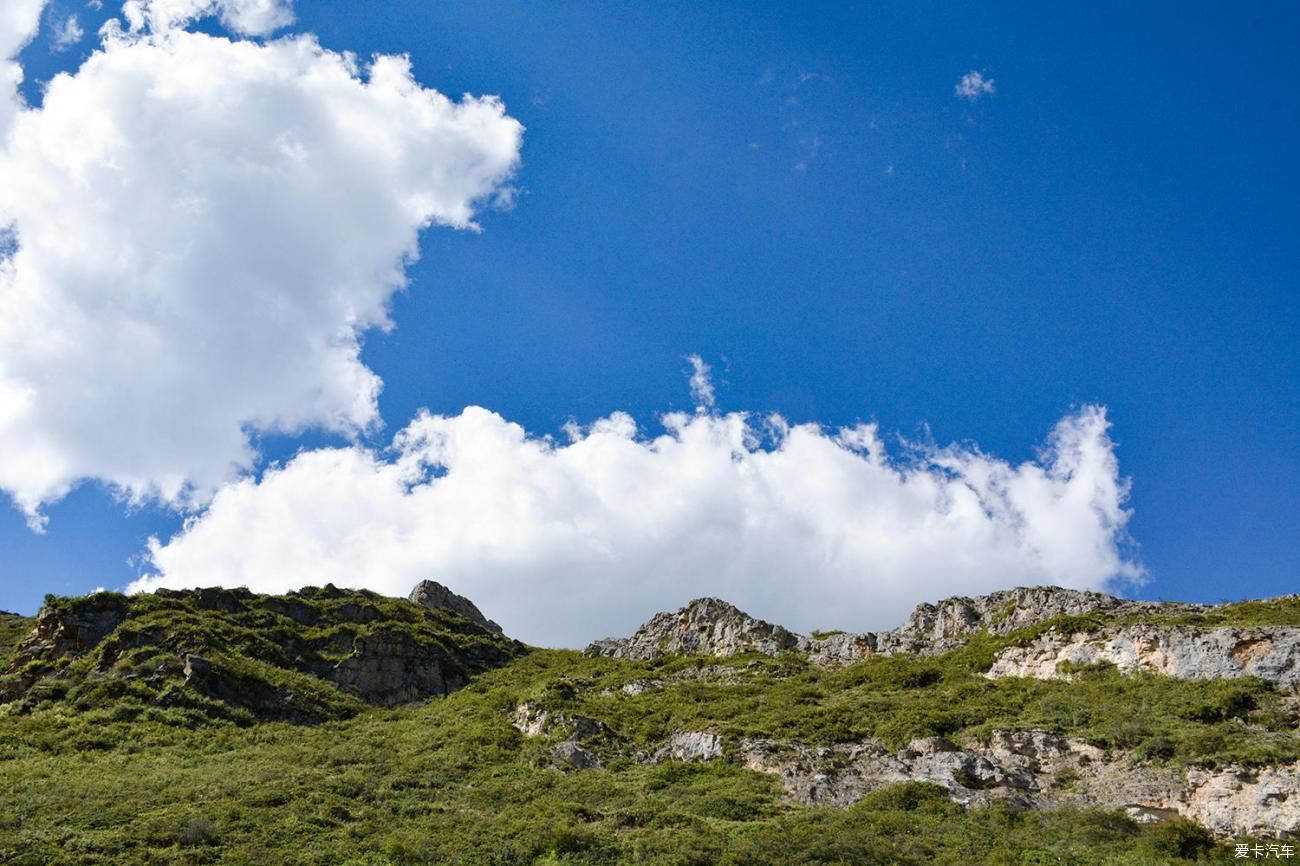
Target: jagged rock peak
710, 626
1006, 611
706, 626
435, 596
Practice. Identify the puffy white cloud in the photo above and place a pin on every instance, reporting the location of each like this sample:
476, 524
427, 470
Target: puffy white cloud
248, 17
201, 231
19, 22
564, 543
973, 86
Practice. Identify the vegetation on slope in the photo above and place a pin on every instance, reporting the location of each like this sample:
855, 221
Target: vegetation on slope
13, 628
98, 773
452, 781
261, 657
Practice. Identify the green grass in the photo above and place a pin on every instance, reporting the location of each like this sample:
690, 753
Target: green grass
13, 628
451, 781
270, 653
1284, 610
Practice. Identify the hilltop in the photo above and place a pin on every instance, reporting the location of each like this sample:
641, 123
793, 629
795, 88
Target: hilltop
336, 726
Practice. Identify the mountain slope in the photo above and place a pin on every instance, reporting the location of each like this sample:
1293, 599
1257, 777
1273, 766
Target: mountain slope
740, 758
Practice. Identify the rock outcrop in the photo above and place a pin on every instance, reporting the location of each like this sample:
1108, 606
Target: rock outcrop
689, 746
1040, 769
435, 596
391, 666
709, 626
706, 626
68, 631
1185, 652
1006, 611
574, 751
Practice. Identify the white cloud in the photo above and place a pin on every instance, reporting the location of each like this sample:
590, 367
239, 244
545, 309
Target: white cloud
973, 86
205, 228
701, 384
68, 33
19, 21
564, 543
247, 17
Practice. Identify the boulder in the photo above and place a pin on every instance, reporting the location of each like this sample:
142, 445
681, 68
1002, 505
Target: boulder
689, 746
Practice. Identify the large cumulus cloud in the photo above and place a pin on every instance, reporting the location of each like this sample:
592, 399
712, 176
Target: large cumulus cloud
566, 542
200, 230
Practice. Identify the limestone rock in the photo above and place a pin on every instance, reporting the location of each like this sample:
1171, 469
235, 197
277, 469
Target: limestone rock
532, 720
709, 626
1239, 802
435, 596
264, 700
690, 746
1004, 612
706, 626
1040, 769
1271, 653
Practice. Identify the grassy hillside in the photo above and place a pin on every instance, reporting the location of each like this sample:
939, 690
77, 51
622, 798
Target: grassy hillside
259, 657
95, 772
451, 781
13, 628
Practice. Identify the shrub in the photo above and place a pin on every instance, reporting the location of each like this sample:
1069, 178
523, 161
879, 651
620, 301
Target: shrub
197, 831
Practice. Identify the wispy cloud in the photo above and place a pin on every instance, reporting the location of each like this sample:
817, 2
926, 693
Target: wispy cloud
973, 86
67, 34
702, 384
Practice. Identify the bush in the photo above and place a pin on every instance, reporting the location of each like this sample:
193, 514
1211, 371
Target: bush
197, 831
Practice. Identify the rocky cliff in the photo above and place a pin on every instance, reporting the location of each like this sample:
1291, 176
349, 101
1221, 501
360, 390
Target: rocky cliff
1060, 630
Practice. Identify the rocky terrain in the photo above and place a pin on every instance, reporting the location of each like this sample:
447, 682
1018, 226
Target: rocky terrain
1132, 636
413, 730
1062, 633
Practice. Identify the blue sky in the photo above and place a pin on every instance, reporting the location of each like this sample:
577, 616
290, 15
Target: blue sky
798, 195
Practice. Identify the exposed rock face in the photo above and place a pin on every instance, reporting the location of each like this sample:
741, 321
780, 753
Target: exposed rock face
571, 753
1040, 769
1240, 802
709, 626
390, 667
1271, 653
1006, 611
706, 626
435, 596
262, 699
70, 632
690, 746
